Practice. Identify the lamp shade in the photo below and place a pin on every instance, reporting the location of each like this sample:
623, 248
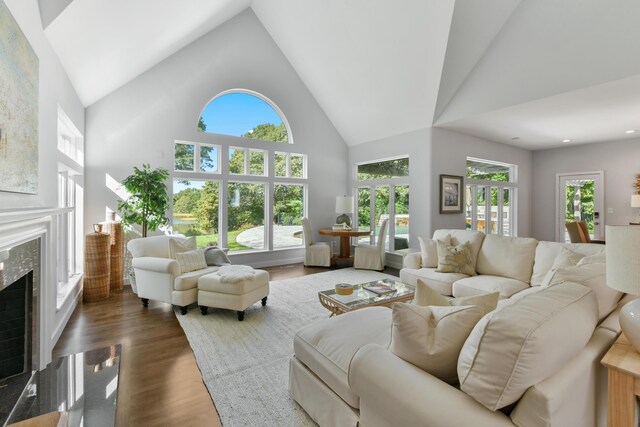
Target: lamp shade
344, 204
623, 258
635, 201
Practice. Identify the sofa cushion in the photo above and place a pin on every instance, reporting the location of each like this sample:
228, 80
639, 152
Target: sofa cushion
599, 258
154, 246
187, 281
546, 253
429, 251
327, 346
440, 282
426, 296
511, 349
459, 237
431, 337
487, 284
510, 257
455, 259
593, 276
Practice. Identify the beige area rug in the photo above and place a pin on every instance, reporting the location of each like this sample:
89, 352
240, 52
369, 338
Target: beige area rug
245, 365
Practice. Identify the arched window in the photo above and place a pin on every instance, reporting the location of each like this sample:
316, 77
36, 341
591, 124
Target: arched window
244, 114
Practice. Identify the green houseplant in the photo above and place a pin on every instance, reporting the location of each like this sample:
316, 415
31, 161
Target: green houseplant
148, 201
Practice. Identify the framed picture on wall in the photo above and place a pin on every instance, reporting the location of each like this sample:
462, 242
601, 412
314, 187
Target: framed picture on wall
451, 194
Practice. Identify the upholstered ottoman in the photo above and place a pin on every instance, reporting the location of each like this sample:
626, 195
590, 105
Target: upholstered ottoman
235, 287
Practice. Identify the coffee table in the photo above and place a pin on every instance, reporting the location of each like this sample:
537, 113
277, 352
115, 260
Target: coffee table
361, 298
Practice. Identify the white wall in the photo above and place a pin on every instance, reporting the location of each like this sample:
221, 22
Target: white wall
435, 151
54, 89
449, 157
139, 122
618, 160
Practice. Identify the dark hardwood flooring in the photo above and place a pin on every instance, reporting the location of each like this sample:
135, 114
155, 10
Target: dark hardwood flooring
160, 383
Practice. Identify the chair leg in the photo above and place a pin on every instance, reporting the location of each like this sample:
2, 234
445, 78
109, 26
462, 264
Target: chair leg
264, 301
241, 316
145, 301
183, 310
204, 310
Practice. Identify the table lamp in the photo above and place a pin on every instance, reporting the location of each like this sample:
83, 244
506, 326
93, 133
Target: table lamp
344, 206
635, 203
623, 274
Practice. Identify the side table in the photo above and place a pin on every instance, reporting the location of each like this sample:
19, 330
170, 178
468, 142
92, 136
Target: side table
623, 363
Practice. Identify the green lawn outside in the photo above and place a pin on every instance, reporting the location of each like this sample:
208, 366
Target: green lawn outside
204, 239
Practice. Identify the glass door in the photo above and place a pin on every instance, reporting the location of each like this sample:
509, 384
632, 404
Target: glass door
580, 198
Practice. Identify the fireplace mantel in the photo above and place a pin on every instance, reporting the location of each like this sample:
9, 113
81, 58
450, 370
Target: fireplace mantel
23, 225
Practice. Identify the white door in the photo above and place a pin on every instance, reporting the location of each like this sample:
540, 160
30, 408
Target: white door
580, 197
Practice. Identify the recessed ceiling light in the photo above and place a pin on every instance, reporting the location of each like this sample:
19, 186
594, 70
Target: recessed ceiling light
630, 131
566, 140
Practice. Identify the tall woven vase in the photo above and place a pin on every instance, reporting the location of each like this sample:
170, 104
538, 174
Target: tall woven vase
116, 241
96, 267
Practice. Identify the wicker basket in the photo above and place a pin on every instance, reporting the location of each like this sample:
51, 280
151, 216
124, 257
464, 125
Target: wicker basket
116, 240
96, 267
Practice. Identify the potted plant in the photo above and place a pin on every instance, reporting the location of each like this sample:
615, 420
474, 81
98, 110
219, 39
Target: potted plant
147, 203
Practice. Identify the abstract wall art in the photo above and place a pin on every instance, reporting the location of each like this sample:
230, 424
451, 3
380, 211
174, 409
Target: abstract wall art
18, 108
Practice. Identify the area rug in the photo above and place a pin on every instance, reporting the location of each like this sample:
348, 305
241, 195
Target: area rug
245, 365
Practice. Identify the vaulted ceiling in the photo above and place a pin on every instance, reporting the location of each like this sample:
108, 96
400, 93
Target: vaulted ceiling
529, 73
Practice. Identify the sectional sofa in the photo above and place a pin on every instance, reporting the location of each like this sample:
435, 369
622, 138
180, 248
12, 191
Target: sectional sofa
343, 373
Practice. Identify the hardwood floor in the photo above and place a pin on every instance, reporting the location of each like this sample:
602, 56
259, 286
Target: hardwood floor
160, 383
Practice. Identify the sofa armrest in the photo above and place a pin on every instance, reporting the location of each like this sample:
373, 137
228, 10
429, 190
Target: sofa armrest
412, 260
157, 265
394, 392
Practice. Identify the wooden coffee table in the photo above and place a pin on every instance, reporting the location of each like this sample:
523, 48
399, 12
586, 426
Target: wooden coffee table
361, 298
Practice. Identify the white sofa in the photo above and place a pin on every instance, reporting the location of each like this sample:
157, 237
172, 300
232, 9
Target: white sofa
343, 374
158, 276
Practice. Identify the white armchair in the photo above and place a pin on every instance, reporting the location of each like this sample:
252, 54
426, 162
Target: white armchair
372, 257
158, 276
316, 254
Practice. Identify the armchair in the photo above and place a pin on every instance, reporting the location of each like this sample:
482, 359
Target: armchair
158, 276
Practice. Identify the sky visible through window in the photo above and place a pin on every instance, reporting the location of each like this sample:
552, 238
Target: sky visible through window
237, 113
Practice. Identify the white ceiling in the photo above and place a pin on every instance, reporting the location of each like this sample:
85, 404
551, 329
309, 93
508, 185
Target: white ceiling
539, 70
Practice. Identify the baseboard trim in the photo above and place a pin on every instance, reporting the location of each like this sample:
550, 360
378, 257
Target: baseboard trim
278, 262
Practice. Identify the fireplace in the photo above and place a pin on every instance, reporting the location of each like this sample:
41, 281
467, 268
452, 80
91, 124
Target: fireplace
19, 314
16, 304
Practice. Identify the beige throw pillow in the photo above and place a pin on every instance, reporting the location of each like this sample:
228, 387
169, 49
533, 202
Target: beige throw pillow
431, 337
425, 296
599, 258
191, 261
429, 251
592, 275
566, 258
455, 259
177, 246
516, 347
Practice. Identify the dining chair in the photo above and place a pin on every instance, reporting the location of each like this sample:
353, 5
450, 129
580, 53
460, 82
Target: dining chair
579, 233
372, 257
315, 254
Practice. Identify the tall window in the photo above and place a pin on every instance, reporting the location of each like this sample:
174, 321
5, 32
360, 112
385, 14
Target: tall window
224, 192
491, 194
70, 198
245, 114
382, 190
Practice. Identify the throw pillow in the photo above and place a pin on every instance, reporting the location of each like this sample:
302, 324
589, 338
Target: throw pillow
429, 250
215, 256
455, 259
591, 275
516, 347
176, 246
566, 258
425, 296
599, 258
191, 261
431, 337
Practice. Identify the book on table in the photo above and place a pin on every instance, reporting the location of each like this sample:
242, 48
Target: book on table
380, 288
